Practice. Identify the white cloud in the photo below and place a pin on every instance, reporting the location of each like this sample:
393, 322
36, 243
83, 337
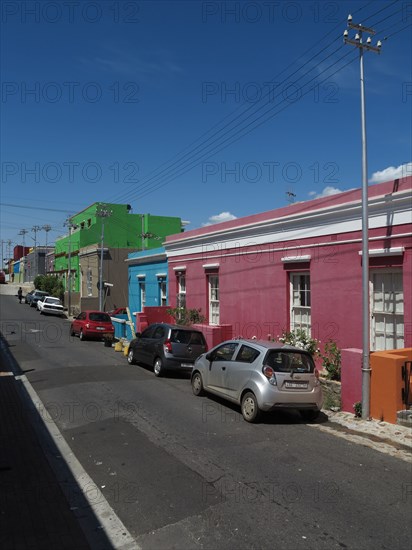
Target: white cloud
327, 192
219, 218
392, 173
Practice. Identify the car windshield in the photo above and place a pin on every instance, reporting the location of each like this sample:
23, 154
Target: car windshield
289, 361
53, 301
100, 317
187, 337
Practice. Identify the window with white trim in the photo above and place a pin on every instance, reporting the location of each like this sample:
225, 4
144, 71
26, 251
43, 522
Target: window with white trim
387, 310
142, 286
89, 281
162, 293
181, 290
214, 305
300, 316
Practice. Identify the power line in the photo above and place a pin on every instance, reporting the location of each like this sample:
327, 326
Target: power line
235, 136
35, 208
143, 185
150, 190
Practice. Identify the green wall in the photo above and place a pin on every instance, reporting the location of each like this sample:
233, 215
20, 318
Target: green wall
121, 230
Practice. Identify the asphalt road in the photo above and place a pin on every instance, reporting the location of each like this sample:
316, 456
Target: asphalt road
187, 472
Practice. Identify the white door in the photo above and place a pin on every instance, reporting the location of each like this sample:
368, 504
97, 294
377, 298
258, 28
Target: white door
387, 325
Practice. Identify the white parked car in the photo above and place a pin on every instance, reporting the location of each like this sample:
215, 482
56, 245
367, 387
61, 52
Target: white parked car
50, 305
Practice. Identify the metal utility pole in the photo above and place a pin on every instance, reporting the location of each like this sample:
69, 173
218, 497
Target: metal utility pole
9, 256
71, 226
366, 370
46, 228
35, 229
102, 212
23, 232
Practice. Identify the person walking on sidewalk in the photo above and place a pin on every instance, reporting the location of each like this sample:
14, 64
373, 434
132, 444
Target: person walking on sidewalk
20, 294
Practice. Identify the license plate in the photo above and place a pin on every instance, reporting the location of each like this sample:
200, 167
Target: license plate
190, 365
99, 328
296, 385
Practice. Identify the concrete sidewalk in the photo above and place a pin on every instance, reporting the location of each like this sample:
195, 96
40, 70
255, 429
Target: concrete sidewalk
34, 512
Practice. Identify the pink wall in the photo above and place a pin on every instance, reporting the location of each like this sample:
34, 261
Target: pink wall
351, 378
255, 283
254, 296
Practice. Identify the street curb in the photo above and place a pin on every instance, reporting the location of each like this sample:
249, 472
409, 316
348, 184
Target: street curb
109, 523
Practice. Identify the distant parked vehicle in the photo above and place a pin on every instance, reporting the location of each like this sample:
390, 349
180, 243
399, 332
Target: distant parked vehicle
117, 311
37, 295
167, 347
50, 305
92, 324
260, 376
2, 278
28, 297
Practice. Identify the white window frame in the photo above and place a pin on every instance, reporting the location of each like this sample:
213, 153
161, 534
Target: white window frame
397, 317
214, 301
162, 293
142, 289
181, 290
89, 281
297, 308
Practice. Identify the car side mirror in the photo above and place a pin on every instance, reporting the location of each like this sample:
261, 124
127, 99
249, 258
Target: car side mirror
209, 356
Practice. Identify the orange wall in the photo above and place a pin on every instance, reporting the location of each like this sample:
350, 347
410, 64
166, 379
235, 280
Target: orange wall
387, 383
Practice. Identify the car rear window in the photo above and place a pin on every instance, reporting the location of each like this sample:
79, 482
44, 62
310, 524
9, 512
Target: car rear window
289, 361
100, 317
187, 337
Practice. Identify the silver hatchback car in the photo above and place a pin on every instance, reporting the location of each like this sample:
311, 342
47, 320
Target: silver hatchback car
260, 376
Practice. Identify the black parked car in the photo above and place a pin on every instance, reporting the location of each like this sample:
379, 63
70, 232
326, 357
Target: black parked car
167, 347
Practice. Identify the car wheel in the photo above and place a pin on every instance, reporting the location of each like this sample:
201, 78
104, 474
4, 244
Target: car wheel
197, 384
130, 357
250, 408
41, 313
158, 367
81, 335
309, 414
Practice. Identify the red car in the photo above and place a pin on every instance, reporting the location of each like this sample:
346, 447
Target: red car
92, 324
117, 311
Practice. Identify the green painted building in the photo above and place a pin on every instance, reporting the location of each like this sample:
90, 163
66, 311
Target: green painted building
123, 232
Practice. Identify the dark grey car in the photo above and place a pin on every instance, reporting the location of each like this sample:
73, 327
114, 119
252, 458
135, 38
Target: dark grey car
167, 347
37, 295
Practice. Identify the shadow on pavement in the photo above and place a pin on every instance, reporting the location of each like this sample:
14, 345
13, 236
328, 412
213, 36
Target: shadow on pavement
41, 503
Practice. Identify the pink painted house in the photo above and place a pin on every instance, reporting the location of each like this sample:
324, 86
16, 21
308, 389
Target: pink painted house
300, 267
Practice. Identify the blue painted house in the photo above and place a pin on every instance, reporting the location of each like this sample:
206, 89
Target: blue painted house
148, 281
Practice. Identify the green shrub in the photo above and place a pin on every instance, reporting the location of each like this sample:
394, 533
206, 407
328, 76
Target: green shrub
186, 317
300, 339
357, 407
50, 284
331, 360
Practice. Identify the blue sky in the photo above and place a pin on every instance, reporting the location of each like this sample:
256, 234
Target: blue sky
202, 110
